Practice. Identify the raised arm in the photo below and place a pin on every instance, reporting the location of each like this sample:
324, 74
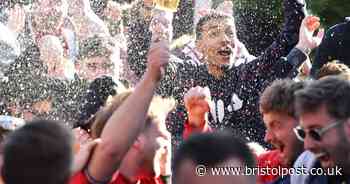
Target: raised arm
330, 48
307, 42
197, 101
294, 12
125, 124
288, 66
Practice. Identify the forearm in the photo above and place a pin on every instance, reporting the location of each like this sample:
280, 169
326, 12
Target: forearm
133, 111
297, 56
87, 26
197, 124
122, 129
284, 43
196, 121
294, 13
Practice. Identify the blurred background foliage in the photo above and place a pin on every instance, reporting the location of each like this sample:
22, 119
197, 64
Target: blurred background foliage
331, 12
259, 20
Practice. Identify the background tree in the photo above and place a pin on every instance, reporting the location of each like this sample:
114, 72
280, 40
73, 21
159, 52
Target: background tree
258, 21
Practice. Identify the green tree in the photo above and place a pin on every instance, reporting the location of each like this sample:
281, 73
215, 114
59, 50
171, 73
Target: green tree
331, 12
258, 21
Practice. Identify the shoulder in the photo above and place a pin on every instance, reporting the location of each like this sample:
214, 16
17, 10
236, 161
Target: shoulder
306, 159
341, 28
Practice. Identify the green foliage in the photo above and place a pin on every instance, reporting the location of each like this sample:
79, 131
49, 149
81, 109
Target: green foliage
331, 12
259, 21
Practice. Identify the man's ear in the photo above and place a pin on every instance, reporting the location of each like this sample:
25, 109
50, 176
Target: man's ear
200, 46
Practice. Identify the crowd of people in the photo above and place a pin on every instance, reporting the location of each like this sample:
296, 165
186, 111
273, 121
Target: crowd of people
103, 93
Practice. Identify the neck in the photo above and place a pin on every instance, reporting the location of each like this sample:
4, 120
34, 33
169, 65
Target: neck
215, 70
132, 167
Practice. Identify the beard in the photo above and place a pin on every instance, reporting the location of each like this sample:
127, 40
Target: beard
298, 148
342, 152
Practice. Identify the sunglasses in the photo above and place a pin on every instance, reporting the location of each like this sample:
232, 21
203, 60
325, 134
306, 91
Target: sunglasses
315, 134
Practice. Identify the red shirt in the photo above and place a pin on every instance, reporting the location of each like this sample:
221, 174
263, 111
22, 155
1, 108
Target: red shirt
189, 130
79, 178
269, 159
118, 178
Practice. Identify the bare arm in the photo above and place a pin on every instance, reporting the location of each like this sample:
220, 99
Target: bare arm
86, 22
126, 123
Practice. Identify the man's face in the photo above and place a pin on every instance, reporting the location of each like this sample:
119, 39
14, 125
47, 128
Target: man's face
188, 173
279, 133
217, 43
49, 14
28, 112
154, 138
333, 145
94, 67
51, 53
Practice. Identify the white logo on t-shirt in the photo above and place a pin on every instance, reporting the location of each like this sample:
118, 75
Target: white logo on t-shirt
217, 109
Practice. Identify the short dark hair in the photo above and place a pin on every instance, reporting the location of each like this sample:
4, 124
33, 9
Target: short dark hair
279, 97
210, 149
333, 92
40, 152
211, 16
97, 45
94, 98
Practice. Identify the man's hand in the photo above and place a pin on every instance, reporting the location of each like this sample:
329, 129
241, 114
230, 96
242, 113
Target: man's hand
161, 25
225, 7
307, 41
78, 7
16, 20
197, 102
83, 147
158, 58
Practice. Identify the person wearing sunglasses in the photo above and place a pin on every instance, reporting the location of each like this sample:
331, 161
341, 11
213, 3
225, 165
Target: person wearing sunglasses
324, 116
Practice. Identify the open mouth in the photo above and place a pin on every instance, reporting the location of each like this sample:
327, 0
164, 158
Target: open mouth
325, 159
279, 146
225, 51
282, 148
322, 156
